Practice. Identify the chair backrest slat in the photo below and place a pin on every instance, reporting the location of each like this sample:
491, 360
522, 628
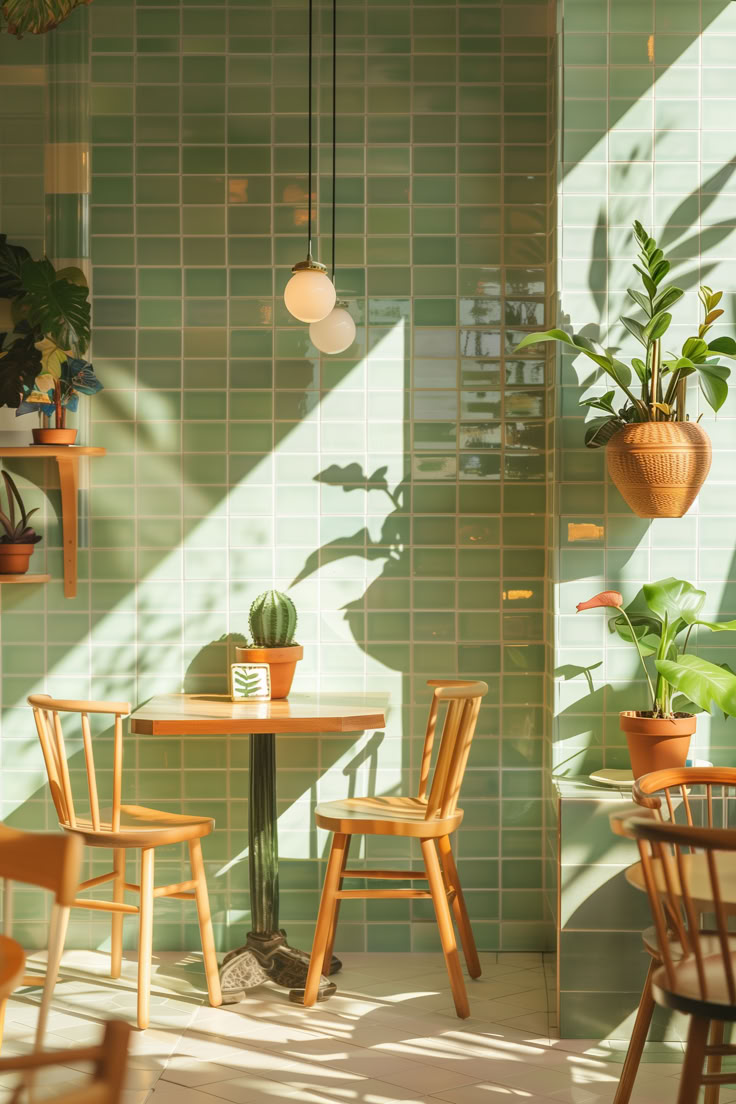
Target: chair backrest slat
709, 795
463, 704
89, 758
48, 712
722, 924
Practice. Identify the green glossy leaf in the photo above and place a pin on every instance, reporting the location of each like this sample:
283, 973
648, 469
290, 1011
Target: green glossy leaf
659, 271
641, 300
724, 345
59, 308
648, 282
635, 328
639, 367
713, 383
667, 298
658, 326
695, 349
674, 599
718, 626
599, 431
544, 335
703, 682
11, 259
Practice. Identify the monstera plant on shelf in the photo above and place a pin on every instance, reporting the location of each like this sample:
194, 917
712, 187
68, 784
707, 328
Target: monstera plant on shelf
272, 620
657, 456
44, 332
660, 623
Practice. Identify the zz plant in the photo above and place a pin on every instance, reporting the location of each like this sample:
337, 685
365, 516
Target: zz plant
654, 383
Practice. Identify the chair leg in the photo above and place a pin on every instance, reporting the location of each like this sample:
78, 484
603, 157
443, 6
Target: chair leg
692, 1070
57, 935
336, 913
7, 907
325, 918
459, 908
638, 1039
715, 1062
447, 932
118, 894
204, 916
145, 939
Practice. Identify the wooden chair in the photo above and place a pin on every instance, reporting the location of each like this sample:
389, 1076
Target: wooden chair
698, 972
430, 818
51, 862
122, 828
109, 1060
12, 965
663, 793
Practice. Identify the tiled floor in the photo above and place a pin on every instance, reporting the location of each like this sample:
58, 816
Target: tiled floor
390, 1035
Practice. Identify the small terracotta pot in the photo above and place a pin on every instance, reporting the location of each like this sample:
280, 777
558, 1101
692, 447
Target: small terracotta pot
54, 436
659, 467
14, 558
656, 744
282, 662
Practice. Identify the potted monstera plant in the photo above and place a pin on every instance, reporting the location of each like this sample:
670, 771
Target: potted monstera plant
272, 621
44, 332
17, 538
657, 456
660, 623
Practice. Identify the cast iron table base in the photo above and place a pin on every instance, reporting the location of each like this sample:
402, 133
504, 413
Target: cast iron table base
266, 955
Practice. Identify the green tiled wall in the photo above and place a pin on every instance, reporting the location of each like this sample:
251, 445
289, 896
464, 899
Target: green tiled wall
647, 133
399, 489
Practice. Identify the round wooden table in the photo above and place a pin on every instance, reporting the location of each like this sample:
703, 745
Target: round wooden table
266, 953
698, 879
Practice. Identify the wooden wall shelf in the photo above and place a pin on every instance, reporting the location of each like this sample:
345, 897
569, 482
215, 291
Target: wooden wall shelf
24, 579
67, 460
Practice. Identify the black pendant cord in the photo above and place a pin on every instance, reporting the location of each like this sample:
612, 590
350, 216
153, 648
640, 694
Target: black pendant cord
334, 133
309, 140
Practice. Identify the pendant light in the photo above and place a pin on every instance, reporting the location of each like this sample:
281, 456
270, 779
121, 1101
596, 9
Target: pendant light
336, 332
309, 294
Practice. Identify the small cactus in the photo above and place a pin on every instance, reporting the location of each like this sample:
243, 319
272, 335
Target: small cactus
272, 620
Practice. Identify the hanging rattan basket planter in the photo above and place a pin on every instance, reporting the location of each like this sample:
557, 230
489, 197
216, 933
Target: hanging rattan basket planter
659, 467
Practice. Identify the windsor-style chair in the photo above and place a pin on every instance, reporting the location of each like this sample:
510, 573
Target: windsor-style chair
429, 817
106, 1084
122, 828
696, 796
682, 868
50, 862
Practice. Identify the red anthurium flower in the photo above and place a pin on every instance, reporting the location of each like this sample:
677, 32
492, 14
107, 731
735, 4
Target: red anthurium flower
605, 598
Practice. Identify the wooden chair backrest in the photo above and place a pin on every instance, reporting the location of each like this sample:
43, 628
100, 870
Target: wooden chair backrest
109, 1060
665, 845
50, 861
675, 785
46, 712
463, 699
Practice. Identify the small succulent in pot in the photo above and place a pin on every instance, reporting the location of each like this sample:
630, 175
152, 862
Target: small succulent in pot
659, 623
17, 538
272, 621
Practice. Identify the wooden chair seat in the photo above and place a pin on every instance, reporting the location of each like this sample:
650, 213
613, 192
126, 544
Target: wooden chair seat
686, 994
141, 827
709, 942
698, 874
384, 816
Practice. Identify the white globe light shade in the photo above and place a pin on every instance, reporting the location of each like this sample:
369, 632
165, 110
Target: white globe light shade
334, 333
309, 295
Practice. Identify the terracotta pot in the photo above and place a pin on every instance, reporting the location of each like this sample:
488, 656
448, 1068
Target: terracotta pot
14, 558
656, 744
54, 436
282, 662
659, 467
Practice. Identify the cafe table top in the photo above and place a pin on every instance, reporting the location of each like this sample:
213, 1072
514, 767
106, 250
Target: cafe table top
217, 714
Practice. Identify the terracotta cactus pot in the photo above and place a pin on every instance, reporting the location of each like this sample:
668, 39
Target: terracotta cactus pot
659, 467
54, 436
282, 662
14, 558
656, 744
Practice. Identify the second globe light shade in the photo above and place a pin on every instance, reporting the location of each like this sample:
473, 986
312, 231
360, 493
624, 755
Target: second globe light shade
336, 332
309, 294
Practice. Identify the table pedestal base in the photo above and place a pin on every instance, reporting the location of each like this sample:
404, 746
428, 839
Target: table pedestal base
267, 956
